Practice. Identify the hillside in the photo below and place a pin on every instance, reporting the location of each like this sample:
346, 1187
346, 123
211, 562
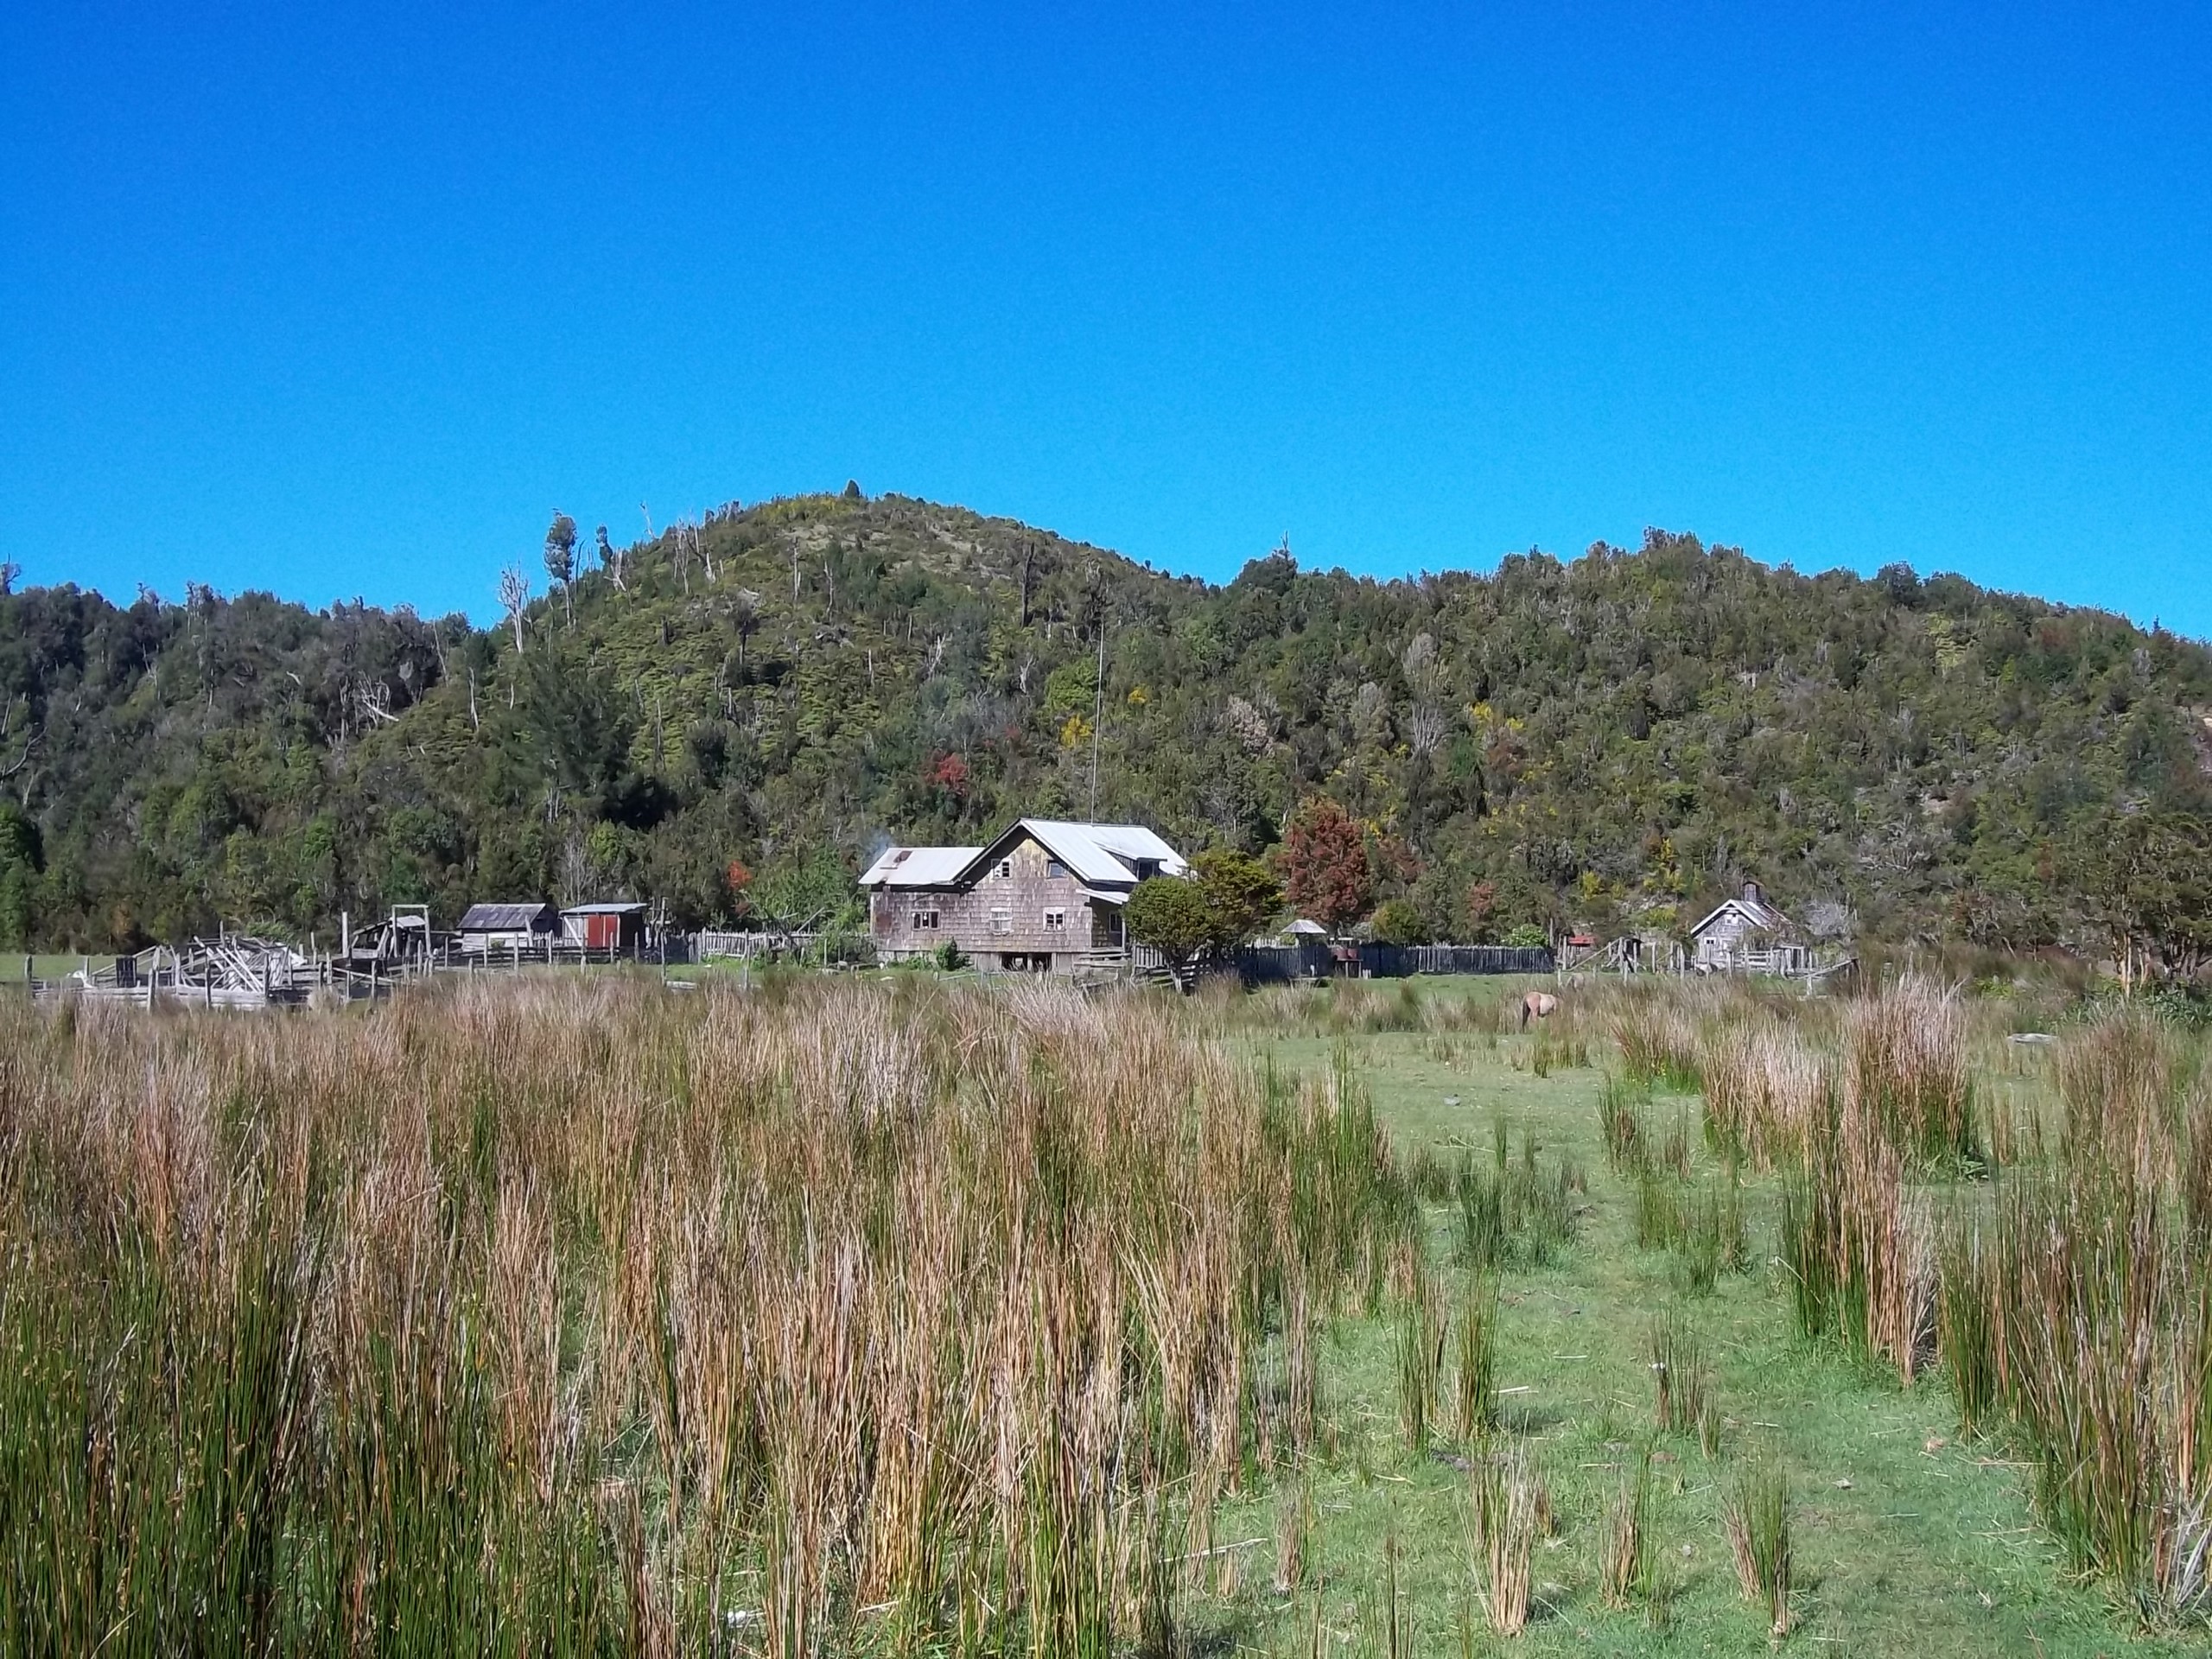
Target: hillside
1630, 732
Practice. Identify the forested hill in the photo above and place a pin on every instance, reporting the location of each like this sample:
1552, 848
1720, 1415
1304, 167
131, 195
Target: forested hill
1627, 733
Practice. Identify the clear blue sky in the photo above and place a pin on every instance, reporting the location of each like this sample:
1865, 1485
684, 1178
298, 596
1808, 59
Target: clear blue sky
339, 299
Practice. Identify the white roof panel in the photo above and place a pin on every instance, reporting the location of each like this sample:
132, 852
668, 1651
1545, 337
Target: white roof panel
917, 866
1104, 852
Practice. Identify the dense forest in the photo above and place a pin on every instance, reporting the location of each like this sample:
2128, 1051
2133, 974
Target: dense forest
1618, 737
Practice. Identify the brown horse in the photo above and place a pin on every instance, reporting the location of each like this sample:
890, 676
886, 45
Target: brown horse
1538, 1005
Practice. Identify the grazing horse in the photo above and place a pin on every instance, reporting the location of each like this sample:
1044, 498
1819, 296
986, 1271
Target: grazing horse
1540, 1005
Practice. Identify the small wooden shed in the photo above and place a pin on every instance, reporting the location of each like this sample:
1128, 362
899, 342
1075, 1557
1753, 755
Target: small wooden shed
617, 925
507, 926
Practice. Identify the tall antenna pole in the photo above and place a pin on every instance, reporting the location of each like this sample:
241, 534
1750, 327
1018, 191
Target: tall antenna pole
1098, 711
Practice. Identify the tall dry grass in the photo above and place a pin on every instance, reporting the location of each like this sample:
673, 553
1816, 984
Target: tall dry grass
576, 1317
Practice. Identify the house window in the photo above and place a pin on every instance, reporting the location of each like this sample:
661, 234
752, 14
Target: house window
925, 921
1006, 869
1053, 866
1055, 920
1002, 920
1146, 869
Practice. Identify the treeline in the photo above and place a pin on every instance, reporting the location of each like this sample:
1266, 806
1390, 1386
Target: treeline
1619, 738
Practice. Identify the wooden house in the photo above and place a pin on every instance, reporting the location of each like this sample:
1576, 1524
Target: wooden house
1748, 935
1044, 897
507, 927
617, 925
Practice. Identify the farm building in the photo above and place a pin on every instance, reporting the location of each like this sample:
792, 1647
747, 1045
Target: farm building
507, 927
616, 926
1748, 935
1044, 897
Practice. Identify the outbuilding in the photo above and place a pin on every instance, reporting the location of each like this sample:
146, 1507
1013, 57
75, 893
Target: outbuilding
617, 926
504, 927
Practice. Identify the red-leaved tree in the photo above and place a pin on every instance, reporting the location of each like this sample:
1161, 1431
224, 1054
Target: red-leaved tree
1325, 865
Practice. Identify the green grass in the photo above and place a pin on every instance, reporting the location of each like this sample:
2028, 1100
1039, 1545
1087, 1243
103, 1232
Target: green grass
48, 965
1908, 1538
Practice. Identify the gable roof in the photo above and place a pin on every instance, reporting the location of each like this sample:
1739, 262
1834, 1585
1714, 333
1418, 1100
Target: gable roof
503, 919
917, 866
1760, 914
1094, 852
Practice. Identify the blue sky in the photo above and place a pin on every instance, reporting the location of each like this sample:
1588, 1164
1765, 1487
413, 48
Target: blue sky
348, 303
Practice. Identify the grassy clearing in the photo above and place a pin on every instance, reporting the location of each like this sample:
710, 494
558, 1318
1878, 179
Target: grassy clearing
1906, 1536
926, 1317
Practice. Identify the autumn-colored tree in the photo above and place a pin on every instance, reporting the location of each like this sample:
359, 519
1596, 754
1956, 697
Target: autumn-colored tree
948, 774
1323, 861
1482, 909
737, 878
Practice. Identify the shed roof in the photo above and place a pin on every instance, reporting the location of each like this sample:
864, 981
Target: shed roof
501, 918
917, 866
606, 907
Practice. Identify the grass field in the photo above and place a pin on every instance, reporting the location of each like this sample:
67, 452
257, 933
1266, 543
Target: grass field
1909, 1537
903, 1314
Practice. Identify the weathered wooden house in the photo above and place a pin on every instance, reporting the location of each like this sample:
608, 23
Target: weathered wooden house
1748, 935
1044, 897
617, 926
507, 927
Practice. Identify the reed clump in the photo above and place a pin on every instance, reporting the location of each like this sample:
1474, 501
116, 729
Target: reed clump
608, 1320
1506, 1506
1755, 1512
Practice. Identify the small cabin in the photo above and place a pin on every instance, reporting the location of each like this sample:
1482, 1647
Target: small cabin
617, 926
1746, 934
504, 927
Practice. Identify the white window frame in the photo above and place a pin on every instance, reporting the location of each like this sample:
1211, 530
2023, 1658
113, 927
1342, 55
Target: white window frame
926, 921
1006, 869
1056, 921
1001, 920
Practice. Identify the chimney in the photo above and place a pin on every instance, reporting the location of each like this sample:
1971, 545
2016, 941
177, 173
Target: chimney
1752, 895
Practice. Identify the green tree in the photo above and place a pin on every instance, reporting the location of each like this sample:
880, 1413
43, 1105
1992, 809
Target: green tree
1170, 914
1398, 921
1241, 897
561, 559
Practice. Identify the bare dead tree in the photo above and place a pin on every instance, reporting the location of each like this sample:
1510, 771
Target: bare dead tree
31, 743
514, 594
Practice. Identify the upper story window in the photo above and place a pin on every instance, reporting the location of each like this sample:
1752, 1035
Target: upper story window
1053, 866
1006, 869
1055, 919
1002, 920
1146, 869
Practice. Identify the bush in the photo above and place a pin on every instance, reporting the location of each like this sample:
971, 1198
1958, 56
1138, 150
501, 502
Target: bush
1398, 923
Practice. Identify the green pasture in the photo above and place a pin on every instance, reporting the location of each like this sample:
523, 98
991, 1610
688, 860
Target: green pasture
1908, 1538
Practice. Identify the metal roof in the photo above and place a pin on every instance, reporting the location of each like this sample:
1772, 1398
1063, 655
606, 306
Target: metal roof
606, 907
503, 919
1096, 852
917, 866
1761, 915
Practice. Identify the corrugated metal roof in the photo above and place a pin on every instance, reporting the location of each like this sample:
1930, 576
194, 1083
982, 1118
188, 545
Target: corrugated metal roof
1099, 852
502, 918
606, 907
917, 866
1094, 852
